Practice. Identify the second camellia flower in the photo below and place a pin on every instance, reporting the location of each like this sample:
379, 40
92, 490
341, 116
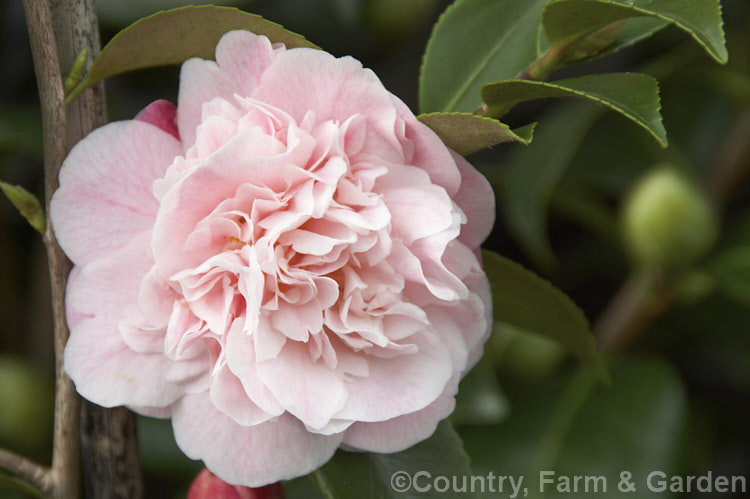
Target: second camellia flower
285, 263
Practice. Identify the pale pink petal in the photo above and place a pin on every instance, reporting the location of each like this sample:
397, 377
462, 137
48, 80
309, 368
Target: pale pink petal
248, 455
104, 368
400, 433
309, 390
105, 196
399, 385
473, 317
430, 153
342, 89
229, 397
241, 59
251, 157
482, 289
418, 208
240, 354
156, 298
477, 201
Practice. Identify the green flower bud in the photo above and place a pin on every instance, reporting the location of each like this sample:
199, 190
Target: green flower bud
667, 220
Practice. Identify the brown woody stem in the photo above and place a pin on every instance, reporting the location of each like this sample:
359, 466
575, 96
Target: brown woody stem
58, 31
37, 475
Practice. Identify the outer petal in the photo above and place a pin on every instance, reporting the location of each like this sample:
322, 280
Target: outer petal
341, 89
104, 369
105, 196
430, 153
463, 325
399, 385
477, 200
404, 431
248, 455
241, 59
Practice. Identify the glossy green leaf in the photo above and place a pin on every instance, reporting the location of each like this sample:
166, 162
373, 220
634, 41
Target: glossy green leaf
26, 203
480, 399
367, 475
173, 36
578, 427
473, 42
533, 172
731, 269
635, 96
567, 20
466, 133
526, 301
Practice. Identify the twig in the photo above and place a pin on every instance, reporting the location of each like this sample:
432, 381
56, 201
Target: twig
640, 299
33, 473
538, 70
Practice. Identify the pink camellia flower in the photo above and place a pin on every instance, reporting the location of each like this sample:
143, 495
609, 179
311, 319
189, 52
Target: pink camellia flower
284, 264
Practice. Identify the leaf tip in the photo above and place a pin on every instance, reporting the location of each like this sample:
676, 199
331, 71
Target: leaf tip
26, 203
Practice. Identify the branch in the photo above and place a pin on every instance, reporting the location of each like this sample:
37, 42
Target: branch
108, 436
35, 474
66, 453
58, 31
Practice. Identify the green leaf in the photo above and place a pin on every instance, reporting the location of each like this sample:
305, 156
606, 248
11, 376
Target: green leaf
303, 487
576, 427
480, 399
731, 268
466, 133
567, 20
366, 475
26, 203
526, 301
174, 36
635, 96
533, 172
473, 42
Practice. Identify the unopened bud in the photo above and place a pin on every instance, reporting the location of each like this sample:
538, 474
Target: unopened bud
208, 486
668, 221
